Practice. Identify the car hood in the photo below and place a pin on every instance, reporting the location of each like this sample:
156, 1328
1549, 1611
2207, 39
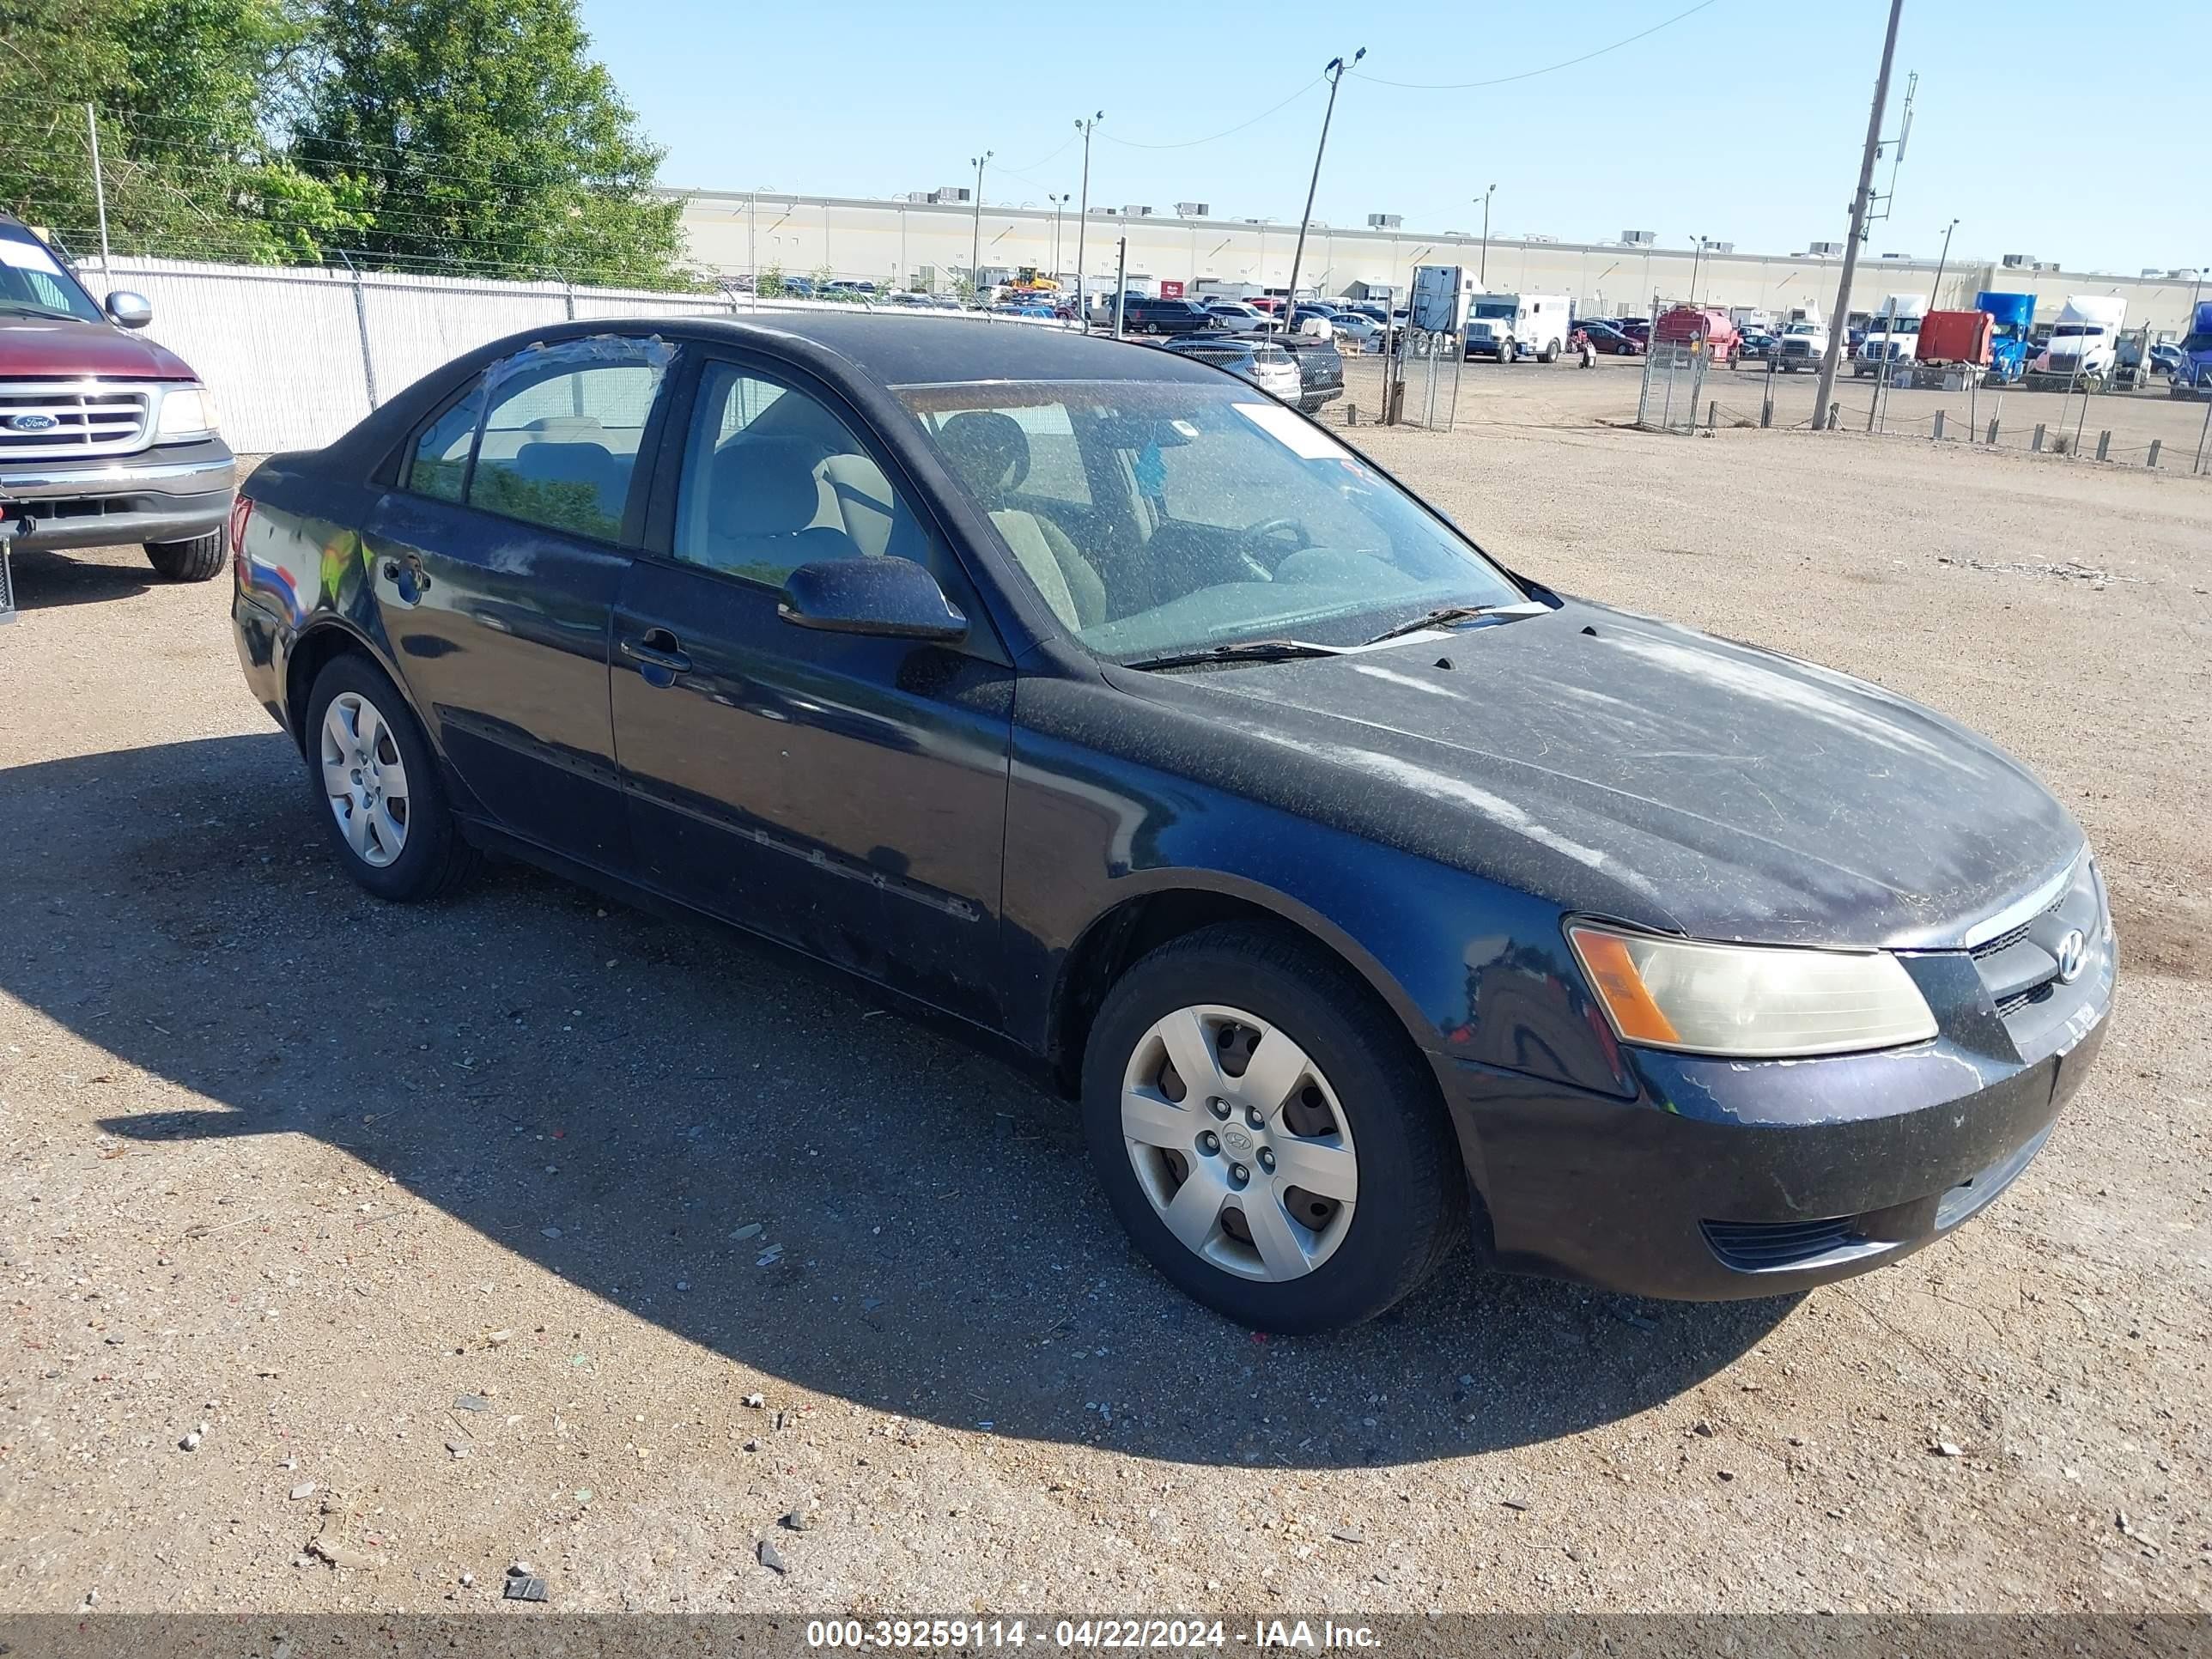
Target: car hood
1723, 791
62, 345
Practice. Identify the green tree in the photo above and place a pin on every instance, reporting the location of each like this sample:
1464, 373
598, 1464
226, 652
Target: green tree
188, 167
480, 135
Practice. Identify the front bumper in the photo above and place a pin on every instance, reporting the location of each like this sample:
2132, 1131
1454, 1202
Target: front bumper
170, 494
1726, 1179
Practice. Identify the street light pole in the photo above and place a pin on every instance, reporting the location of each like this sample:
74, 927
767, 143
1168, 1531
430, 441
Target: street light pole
1935, 296
975, 244
1696, 259
1482, 275
1083, 224
1058, 202
1335, 73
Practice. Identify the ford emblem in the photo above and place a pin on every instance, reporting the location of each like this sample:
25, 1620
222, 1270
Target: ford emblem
32, 423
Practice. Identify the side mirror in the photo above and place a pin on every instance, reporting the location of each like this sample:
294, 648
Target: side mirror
891, 597
129, 310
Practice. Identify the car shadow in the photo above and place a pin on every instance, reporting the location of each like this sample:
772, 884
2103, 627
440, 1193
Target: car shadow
45, 581
757, 1160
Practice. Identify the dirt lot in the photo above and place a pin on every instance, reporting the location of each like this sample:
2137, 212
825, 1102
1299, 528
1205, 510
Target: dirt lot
534, 1228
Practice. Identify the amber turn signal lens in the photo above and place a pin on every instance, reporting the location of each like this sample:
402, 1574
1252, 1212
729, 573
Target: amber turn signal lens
1613, 974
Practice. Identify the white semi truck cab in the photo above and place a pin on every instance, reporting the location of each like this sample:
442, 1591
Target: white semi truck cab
2084, 347
1893, 334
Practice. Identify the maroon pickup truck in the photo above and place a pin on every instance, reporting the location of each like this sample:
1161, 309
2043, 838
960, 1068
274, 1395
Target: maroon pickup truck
105, 437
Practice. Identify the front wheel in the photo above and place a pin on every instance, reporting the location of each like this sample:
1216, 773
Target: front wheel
195, 560
1269, 1140
376, 785
1506, 354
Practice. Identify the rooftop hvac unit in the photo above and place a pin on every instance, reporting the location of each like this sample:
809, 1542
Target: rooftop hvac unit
2046, 264
1525, 239
1826, 250
950, 193
2150, 270
2184, 274
1640, 238
1136, 212
1897, 256
1720, 247
1385, 221
1193, 210
2016, 261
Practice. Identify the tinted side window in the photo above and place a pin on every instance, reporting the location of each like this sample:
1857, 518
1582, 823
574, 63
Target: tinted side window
438, 465
561, 437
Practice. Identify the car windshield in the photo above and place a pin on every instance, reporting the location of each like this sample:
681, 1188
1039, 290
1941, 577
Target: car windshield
1494, 307
2076, 331
33, 282
2195, 343
1158, 517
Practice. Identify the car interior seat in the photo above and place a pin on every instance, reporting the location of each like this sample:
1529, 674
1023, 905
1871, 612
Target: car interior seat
991, 453
759, 519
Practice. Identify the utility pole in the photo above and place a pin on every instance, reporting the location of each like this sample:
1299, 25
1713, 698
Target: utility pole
1083, 224
1696, 259
1482, 275
98, 187
1935, 295
1335, 73
975, 243
1837, 328
1058, 202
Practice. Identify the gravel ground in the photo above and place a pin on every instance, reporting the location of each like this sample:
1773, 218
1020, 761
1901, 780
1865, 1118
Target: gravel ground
353, 1251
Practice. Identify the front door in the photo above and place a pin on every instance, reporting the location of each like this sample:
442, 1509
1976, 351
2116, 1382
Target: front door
842, 793
496, 561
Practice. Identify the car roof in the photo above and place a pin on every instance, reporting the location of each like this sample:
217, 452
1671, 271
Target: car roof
885, 349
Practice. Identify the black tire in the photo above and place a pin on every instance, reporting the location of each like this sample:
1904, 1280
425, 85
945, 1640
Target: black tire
1407, 1157
199, 559
435, 860
1506, 354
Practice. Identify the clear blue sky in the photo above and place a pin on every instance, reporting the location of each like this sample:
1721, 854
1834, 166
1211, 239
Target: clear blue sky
1741, 123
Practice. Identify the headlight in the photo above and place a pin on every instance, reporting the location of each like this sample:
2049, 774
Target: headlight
1750, 1000
187, 411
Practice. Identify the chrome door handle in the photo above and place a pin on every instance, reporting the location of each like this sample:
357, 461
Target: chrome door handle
646, 653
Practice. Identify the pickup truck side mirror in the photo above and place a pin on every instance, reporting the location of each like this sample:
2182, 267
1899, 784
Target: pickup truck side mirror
129, 310
887, 597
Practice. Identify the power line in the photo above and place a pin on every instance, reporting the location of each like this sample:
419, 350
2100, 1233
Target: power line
1549, 69
1193, 144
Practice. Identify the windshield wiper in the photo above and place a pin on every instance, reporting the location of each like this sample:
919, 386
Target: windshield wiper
1241, 651
1450, 613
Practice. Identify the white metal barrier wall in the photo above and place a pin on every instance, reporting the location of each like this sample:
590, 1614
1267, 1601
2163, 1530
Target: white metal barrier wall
297, 354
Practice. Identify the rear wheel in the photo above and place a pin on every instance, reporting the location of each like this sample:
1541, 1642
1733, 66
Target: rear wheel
1267, 1137
195, 560
376, 785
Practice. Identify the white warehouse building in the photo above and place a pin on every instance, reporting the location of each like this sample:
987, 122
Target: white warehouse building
924, 242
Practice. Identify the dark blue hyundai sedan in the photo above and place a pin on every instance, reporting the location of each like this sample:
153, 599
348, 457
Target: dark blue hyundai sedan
1365, 893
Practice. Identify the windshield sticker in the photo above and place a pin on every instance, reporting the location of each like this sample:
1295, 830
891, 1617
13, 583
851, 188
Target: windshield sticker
1291, 430
27, 256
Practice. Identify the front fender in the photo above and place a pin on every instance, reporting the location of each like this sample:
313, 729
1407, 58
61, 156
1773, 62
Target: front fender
1474, 968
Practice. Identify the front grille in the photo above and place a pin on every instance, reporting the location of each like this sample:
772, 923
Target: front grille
55, 420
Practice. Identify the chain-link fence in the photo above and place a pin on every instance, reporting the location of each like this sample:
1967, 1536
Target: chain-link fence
1674, 379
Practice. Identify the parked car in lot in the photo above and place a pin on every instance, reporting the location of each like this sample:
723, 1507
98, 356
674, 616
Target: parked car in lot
1142, 314
1320, 368
1079, 697
1237, 318
1610, 341
1759, 345
1265, 363
1358, 327
105, 437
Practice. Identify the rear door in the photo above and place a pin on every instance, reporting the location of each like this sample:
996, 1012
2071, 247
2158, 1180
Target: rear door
496, 563
844, 794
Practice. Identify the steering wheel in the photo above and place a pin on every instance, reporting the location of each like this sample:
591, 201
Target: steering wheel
1268, 527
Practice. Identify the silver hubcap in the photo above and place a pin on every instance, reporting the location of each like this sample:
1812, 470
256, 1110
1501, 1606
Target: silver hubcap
365, 779
1238, 1141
